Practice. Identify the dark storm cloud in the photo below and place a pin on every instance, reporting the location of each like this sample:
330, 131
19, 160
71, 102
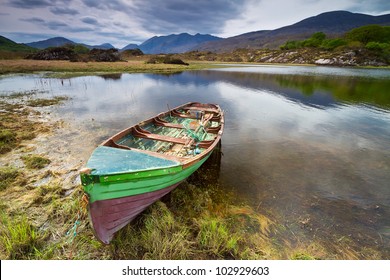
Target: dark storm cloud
201, 16
63, 11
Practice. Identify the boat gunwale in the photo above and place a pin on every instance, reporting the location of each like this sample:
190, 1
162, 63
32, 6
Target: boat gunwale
186, 162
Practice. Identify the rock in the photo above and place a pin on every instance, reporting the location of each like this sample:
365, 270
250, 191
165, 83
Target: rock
323, 61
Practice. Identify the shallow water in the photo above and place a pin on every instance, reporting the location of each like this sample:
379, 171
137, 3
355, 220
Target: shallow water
310, 146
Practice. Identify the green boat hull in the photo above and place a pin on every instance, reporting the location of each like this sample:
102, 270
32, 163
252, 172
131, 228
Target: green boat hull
113, 186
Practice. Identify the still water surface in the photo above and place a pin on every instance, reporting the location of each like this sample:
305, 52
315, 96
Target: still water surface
309, 146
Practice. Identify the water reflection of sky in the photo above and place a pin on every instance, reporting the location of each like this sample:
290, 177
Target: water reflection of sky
308, 70
290, 141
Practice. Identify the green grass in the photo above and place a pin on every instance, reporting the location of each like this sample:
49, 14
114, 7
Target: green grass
215, 236
156, 235
19, 239
35, 161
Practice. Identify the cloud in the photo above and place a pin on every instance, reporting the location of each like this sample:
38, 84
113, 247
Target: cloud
51, 24
92, 3
90, 20
31, 4
76, 29
63, 11
115, 5
35, 20
201, 16
55, 24
373, 6
28, 4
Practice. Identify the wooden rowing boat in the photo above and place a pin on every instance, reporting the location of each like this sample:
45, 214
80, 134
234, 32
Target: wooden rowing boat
134, 168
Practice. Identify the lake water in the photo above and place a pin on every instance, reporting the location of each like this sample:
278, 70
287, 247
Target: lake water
309, 146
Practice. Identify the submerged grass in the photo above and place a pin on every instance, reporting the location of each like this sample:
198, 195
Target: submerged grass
15, 122
43, 102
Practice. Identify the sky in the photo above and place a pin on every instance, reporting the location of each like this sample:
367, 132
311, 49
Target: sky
121, 22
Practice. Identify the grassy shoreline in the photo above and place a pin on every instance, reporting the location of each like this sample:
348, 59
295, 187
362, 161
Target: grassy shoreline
67, 69
135, 66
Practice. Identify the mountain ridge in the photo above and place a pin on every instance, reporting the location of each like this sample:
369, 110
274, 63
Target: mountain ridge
60, 41
334, 23
9, 45
175, 43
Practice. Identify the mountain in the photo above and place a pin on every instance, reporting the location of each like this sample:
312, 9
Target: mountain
105, 46
130, 47
9, 45
52, 42
333, 24
175, 43
60, 41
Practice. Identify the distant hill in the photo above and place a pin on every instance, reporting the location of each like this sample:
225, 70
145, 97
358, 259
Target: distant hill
175, 43
9, 45
105, 46
52, 42
331, 23
60, 41
130, 47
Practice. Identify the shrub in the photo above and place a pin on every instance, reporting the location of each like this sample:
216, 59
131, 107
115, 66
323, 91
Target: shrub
109, 55
376, 46
166, 59
331, 44
291, 45
54, 53
133, 52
